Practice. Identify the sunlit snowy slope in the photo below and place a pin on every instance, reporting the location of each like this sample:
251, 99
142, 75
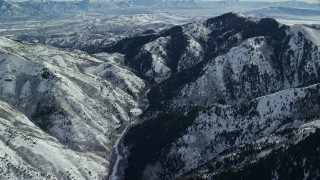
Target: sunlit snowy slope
62, 110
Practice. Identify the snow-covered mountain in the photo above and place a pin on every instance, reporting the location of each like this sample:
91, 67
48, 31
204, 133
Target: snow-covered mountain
173, 3
57, 8
226, 97
90, 33
283, 11
11, 9
32, 8
288, 15
27, 152
220, 88
61, 110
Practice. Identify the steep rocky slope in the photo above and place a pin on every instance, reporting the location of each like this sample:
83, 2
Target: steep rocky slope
230, 136
76, 102
27, 152
224, 57
218, 86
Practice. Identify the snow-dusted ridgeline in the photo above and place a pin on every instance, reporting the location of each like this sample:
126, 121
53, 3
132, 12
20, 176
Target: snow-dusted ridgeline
218, 85
249, 79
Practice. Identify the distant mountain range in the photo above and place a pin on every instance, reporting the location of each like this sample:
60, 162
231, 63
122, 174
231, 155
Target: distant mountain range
10, 9
27, 8
283, 12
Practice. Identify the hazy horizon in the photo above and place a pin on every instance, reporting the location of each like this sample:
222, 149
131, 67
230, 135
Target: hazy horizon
308, 1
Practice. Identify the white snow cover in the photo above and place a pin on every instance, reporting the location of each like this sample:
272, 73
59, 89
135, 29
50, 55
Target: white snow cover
26, 152
253, 53
312, 34
197, 30
192, 55
113, 71
249, 53
136, 111
208, 129
221, 127
70, 95
159, 69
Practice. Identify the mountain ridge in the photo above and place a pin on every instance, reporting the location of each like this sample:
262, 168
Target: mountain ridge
216, 96
240, 60
75, 102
